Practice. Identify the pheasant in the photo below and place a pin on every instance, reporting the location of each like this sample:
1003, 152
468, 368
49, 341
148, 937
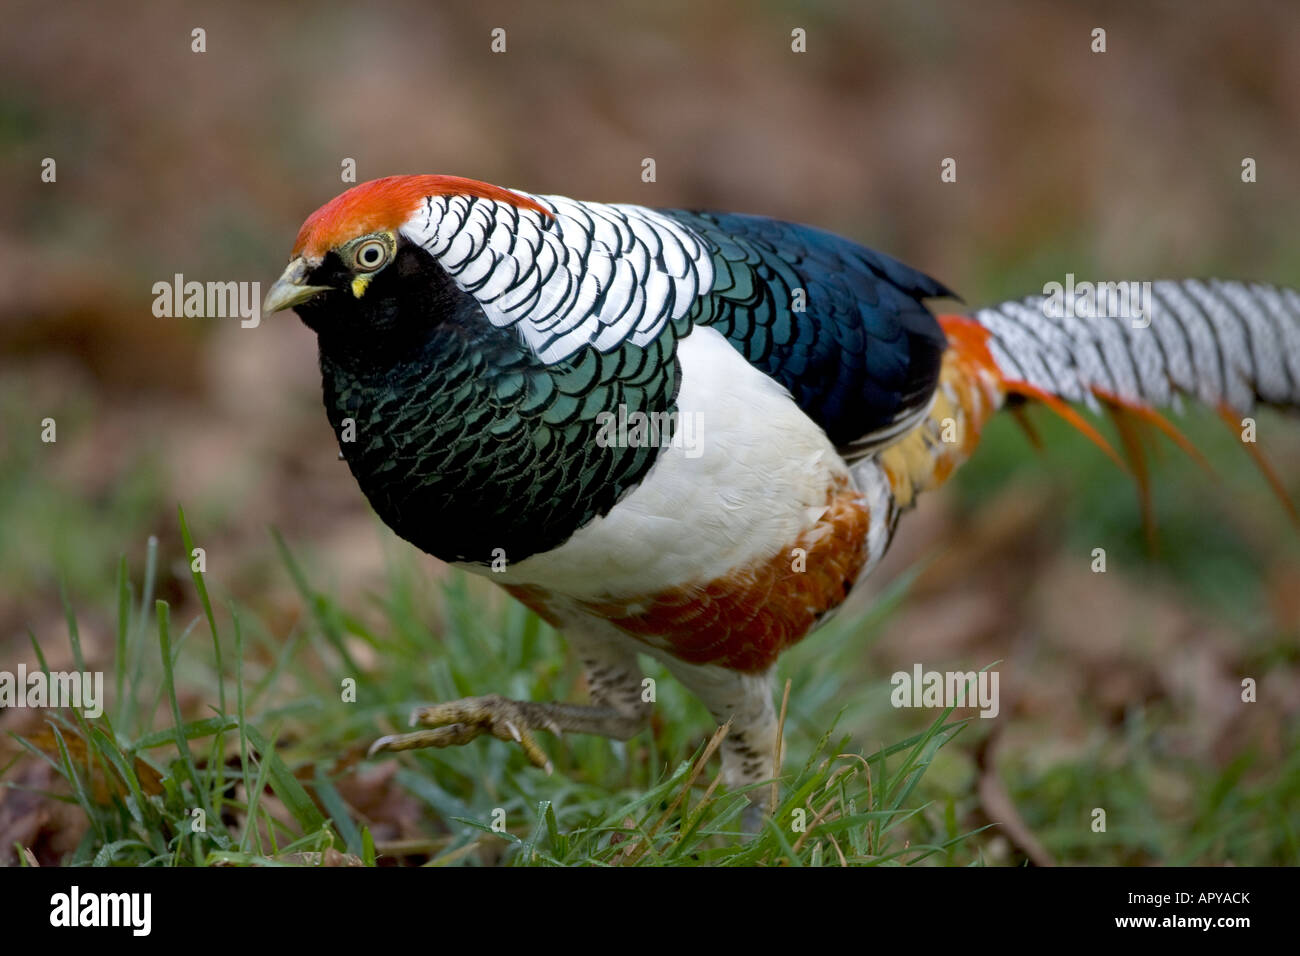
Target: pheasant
689, 434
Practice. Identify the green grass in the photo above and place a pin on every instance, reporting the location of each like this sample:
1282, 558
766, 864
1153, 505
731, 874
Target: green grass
236, 710
266, 765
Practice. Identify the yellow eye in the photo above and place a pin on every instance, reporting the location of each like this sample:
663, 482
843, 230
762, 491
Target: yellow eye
370, 255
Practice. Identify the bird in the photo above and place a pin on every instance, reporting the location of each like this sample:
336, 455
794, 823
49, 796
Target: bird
691, 434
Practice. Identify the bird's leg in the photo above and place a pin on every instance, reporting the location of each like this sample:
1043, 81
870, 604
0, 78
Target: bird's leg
749, 749
616, 710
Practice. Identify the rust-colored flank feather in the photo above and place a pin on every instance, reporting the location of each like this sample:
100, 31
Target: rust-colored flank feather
386, 204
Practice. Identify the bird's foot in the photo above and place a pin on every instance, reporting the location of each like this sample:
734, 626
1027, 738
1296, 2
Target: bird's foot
458, 722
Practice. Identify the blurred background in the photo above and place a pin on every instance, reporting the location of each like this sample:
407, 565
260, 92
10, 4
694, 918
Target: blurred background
1123, 164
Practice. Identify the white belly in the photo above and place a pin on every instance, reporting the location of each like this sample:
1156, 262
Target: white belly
757, 477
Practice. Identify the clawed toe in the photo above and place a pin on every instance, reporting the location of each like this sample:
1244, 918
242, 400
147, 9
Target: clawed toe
458, 722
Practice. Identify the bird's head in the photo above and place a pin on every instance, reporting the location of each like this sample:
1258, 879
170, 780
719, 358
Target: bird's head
459, 433
355, 264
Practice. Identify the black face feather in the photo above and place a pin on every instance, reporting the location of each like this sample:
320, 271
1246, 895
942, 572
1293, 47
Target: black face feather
465, 442
405, 301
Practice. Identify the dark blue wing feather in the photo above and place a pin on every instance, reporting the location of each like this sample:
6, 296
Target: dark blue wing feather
862, 356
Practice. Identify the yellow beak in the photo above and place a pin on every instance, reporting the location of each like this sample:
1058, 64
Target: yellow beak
289, 289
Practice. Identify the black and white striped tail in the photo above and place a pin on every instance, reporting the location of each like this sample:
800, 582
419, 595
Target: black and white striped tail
1228, 344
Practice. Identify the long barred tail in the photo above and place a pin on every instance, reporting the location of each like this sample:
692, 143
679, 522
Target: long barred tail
1230, 345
